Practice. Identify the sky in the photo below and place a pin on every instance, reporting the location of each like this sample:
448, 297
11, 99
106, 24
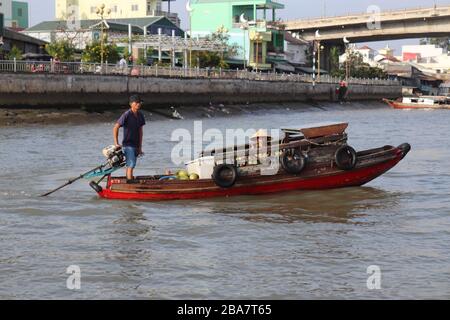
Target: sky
42, 10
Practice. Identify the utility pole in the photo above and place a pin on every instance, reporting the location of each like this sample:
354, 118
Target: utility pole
318, 61
319, 49
189, 9
244, 28
159, 45
257, 52
314, 63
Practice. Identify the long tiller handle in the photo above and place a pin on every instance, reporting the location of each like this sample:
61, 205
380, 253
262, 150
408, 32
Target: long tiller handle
71, 181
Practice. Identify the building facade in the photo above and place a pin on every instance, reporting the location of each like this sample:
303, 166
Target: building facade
295, 49
425, 52
119, 9
15, 14
251, 25
368, 54
6, 10
429, 58
20, 15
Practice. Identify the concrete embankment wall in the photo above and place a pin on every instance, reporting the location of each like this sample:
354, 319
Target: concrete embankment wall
50, 90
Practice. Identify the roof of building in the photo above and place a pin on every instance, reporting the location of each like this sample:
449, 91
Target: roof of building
142, 22
84, 25
310, 70
269, 4
17, 36
289, 38
382, 57
366, 48
115, 24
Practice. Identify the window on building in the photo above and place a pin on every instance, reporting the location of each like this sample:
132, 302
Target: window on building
93, 9
19, 12
134, 7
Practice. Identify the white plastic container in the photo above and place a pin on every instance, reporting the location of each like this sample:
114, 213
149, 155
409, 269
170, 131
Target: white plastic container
204, 167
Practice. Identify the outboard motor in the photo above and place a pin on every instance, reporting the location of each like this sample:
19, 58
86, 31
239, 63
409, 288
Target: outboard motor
114, 155
115, 160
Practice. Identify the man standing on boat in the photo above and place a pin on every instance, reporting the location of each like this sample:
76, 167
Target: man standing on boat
132, 122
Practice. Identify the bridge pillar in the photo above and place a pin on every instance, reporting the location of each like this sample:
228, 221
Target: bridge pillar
325, 56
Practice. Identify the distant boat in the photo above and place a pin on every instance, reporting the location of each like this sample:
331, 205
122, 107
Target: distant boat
422, 102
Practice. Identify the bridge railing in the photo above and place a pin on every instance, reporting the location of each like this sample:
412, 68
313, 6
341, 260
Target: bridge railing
51, 67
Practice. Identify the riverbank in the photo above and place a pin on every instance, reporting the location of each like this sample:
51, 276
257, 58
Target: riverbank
55, 116
99, 92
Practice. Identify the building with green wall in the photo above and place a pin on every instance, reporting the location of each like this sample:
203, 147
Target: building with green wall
251, 25
1, 25
20, 14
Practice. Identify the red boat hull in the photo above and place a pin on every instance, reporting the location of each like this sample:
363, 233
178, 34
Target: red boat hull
362, 174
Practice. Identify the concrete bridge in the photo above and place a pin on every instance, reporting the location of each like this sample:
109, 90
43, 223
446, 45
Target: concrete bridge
388, 25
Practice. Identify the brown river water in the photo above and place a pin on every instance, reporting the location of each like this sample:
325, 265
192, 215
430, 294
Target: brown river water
299, 245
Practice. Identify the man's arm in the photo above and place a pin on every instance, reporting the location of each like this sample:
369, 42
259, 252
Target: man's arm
116, 134
141, 136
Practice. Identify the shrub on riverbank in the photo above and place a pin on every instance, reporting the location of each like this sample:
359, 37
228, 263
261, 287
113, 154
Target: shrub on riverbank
62, 49
93, 53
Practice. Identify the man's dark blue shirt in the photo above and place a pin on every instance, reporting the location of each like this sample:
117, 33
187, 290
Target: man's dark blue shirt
131, 123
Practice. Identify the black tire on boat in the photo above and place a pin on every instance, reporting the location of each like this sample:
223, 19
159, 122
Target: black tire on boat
225, 175
293, 161
345, 158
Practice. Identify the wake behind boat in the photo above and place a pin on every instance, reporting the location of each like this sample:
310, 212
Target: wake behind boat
310, 158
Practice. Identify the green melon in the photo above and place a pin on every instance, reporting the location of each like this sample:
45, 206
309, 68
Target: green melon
193, 176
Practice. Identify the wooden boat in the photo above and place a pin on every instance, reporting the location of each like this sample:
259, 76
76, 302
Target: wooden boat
422, 102
309, 161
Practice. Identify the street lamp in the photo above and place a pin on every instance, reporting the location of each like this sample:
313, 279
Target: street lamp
244, 27
101, 12
347, 57
317, 35
316, 42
